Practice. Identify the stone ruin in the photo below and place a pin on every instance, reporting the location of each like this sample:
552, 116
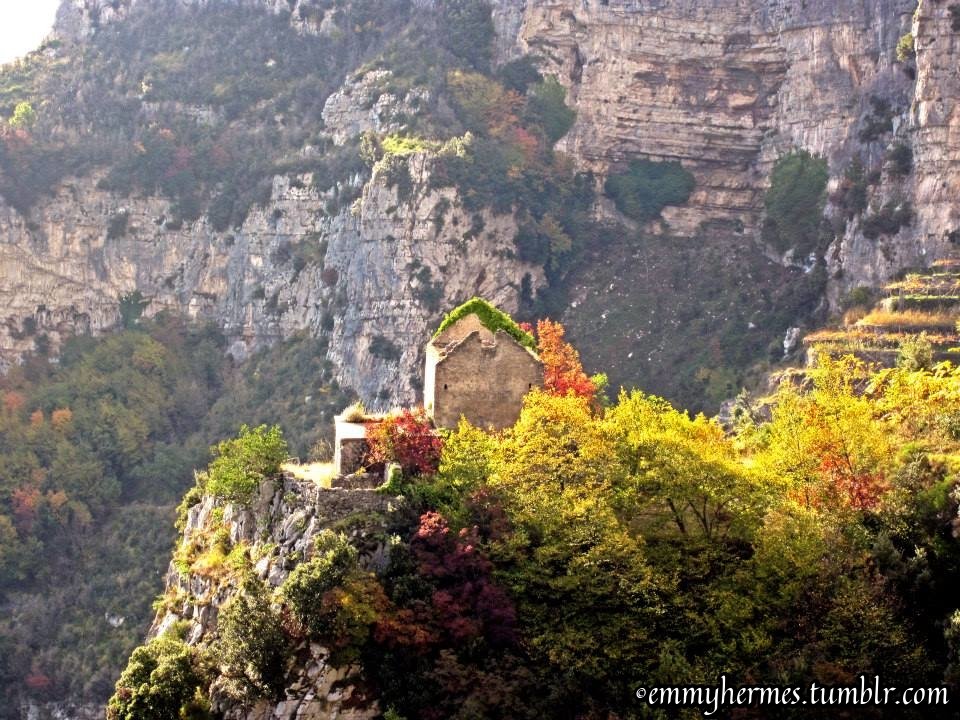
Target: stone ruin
472, 371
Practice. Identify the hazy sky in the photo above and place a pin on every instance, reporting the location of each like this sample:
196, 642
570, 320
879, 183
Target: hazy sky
23, 25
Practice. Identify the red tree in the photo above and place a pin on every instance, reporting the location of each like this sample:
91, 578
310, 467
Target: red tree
562, 371
408, 439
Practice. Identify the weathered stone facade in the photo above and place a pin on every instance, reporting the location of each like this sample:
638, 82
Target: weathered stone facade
474, 373
350, 445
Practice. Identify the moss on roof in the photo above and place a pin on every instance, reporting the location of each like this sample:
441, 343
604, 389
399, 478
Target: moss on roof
491, 318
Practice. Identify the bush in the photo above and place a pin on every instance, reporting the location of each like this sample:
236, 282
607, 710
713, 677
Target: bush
24, 116
467, 30
647, 187
304, 589
851, 194
794, 202
547, 104
251, 644
242, 463
878, 122
132, 306
408, 439
888, 220
163, 680
520, 74
333, 600
905, 48
900, 159
916, 353
384, 348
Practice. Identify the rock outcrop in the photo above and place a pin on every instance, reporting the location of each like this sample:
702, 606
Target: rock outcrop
278, 530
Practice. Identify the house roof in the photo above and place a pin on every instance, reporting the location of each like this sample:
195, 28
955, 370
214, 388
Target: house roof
456, 334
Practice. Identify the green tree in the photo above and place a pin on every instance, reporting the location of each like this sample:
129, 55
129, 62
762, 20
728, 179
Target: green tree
468, 30
132, 306
24, 116
794, 202
547, 103
251, 644
241, 464
160, 682
647, 187
305, 588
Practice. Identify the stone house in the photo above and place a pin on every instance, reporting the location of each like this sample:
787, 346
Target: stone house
478, 373
472, 370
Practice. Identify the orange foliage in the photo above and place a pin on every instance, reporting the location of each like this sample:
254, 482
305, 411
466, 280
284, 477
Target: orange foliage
26, 502
562, 372
36, 418
61, 418
13, 401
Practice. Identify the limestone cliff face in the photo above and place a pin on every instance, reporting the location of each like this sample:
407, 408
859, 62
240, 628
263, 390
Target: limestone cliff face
390, 265
726, 87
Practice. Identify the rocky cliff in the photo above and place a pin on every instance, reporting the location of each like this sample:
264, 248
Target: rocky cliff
723, 87
276, 532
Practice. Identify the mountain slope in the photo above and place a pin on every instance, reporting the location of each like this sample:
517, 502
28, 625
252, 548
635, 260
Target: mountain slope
208, 156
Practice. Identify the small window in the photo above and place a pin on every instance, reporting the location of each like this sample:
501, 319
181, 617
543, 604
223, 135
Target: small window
530, 386
444, 386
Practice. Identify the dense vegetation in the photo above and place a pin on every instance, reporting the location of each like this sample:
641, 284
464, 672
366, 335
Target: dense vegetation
794, 203
97, 448
548, 570
647, 187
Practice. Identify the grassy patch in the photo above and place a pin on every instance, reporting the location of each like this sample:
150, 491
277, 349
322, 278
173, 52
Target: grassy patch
492, 319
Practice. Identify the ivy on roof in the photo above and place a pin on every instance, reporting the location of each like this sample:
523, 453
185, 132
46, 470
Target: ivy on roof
491, 318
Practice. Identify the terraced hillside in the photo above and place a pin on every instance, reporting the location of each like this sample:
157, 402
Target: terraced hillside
921, 308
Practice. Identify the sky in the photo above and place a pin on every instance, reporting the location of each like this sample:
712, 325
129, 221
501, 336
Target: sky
23, 26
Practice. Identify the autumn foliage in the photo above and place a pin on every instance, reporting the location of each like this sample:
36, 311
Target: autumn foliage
562, 371
407, 438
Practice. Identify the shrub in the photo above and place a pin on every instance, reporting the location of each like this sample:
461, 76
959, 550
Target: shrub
408, 439
304, 588
520, 74
132, 306
117, 225
905, 48
330, 598
468, 30
24, 116
384, 348
887, 220
161, 681
794, 202
900, 159
242, 463
547, 104
492, 319
862, 295
878, 122
916, 353
251, 643
647, 187
851, 194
